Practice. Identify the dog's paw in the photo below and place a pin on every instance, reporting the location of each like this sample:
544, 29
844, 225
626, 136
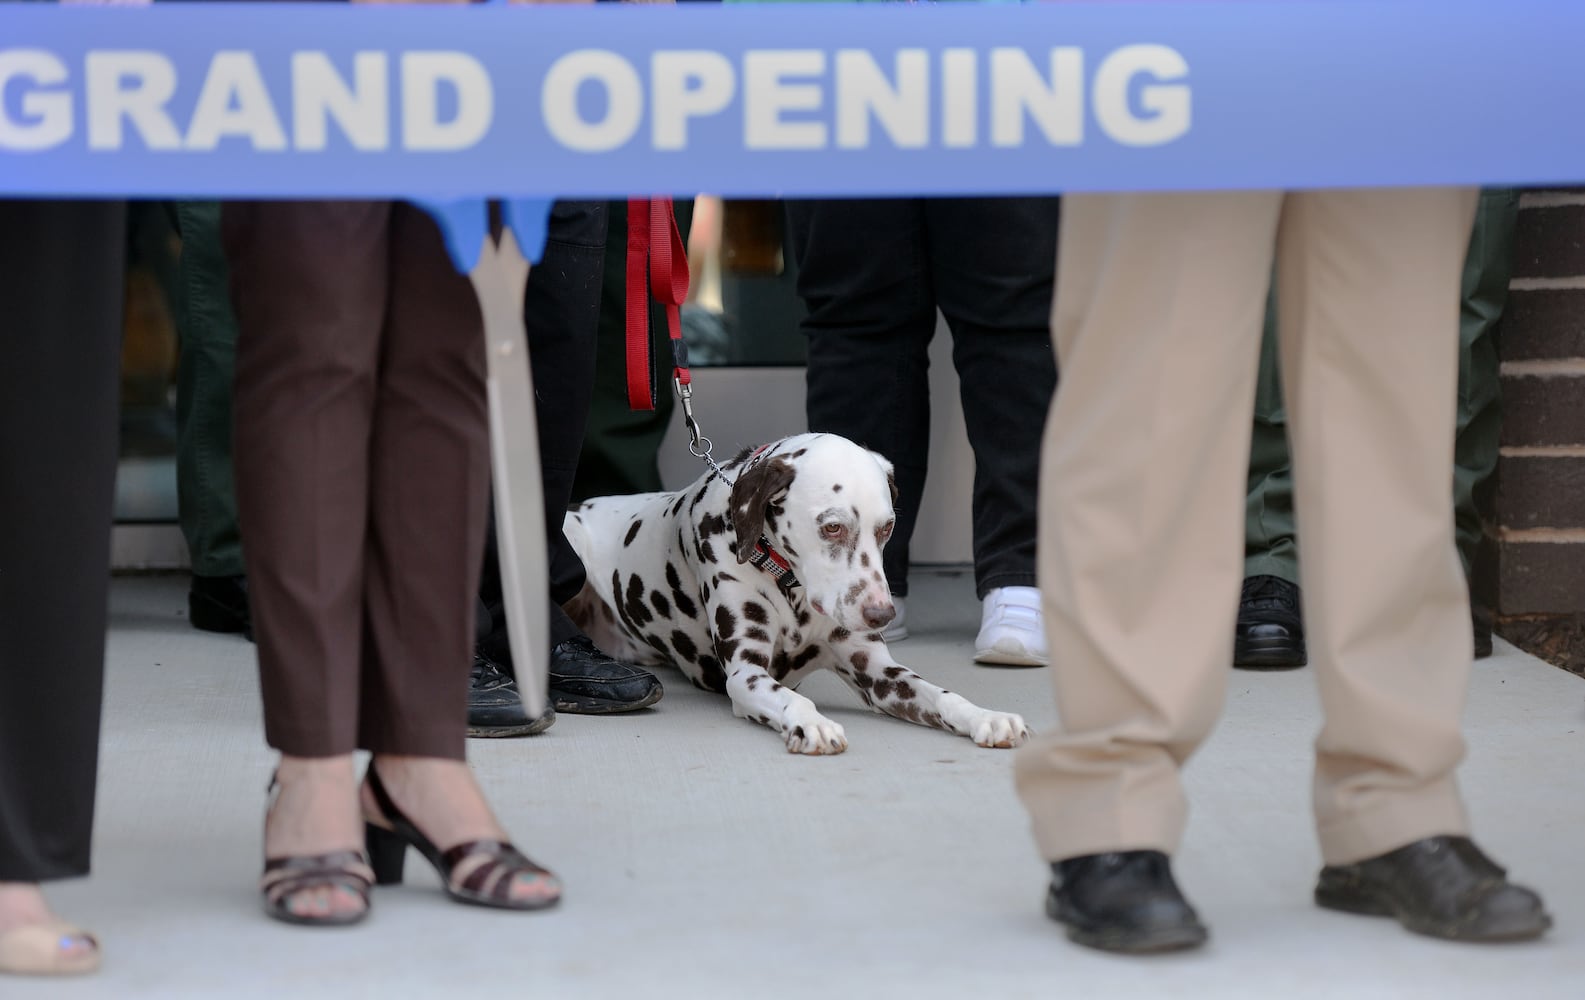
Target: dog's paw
817, 736
1002, 730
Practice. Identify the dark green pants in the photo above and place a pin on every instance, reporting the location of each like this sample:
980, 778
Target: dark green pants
1269, 543
620, 445
206, 495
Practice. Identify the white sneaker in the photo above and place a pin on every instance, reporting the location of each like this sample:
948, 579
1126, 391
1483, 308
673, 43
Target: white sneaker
897, 629
1011, 631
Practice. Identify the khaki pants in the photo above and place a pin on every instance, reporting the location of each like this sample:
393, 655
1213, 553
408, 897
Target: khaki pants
1157, 325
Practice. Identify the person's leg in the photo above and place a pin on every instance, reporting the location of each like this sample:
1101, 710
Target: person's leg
864, 275
1366, 294
309, 287
621, 445
1487, 269
429, 476
206, 493
1269, 633
61, 274
562, 309
1157, 327
1367, 305
989, 264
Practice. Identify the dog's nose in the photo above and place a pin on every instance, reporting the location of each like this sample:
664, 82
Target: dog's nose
879, 615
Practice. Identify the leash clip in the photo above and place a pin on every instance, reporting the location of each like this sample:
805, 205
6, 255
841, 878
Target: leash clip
698, 445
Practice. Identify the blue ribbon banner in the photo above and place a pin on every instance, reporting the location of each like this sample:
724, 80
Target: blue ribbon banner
330, 100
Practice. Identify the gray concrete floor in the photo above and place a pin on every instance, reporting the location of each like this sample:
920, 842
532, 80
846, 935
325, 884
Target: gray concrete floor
703, 861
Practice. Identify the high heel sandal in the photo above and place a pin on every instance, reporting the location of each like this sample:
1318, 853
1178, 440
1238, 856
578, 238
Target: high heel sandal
36, 950
284, 878
489, 884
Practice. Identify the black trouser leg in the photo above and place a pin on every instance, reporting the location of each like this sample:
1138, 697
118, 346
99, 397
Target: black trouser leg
863, 275
62, 266
991, 263
561, 310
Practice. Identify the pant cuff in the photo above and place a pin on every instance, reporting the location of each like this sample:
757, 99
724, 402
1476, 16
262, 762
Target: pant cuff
1394, 822
990, 583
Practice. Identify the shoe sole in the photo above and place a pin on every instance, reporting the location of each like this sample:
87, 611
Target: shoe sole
1365, 904
1268, 655
1153, 942
207, 616
506, 732
1001, 658
600, 706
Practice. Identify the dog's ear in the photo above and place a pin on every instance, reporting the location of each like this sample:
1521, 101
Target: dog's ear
891, 474
751, 494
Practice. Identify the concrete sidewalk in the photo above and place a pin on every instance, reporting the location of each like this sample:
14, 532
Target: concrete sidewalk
702, 860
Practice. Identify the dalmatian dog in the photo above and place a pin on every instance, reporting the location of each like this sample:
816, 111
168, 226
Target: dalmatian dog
752, 582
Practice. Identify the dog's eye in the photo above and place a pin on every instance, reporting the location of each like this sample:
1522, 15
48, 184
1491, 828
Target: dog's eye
833, 531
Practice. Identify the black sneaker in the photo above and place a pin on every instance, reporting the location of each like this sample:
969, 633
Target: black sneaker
1270, 630
585, 681
1125, 902
220, 604
495, 708
1441, 887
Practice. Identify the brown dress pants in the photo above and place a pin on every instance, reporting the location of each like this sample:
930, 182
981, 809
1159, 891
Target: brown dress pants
362, 468
1157, 323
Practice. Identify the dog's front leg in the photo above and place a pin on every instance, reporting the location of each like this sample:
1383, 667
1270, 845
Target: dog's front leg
758, 696
888, 686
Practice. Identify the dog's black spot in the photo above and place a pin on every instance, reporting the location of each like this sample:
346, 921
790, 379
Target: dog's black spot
852, 596
621, 604
755, 613
836, 487
800, 453
864, 560
683, 644
780, 664
699, 496
712, 524
808, 653
658, 601
753, 681
755, 657
840, 634
895, 672
874, 637
792, 553
865, 682
762, 720
711, 676
803, 616
706, 551
635, 601
905, 691
876, 576
685, 605
798, 732
861, 661
658, 645
725, 622
632, 533
756, 633
725, 576
883, 689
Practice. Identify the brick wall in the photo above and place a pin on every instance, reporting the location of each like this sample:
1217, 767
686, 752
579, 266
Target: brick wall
1539, 512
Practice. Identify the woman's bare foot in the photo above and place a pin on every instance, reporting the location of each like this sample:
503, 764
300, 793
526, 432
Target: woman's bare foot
442, 799
22, 905
315, 811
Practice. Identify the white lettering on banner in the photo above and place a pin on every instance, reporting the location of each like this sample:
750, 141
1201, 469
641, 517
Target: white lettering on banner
624, 100
319, 93
47, 114
234, 102
960, 101
134, 86
685, 85
423, 73
766, 94
863, 90
1018, 89
1168, 100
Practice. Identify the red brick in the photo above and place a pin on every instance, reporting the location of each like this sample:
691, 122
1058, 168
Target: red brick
1543, 324
1550, 242
1541, 492
1543, 411
1541, 578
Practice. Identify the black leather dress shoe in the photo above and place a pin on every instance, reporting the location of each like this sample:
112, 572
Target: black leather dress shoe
585, 681
1270, 631
1442, 886
1124, 902
1481, 622
494, 706
220, 604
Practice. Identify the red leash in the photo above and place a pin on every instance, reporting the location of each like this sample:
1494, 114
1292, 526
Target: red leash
652, 233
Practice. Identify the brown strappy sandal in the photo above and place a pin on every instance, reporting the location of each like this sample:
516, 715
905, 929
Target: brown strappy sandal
283, 878
489, 884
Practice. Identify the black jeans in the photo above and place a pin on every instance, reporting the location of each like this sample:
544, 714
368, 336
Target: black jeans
561, 310
872, 274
